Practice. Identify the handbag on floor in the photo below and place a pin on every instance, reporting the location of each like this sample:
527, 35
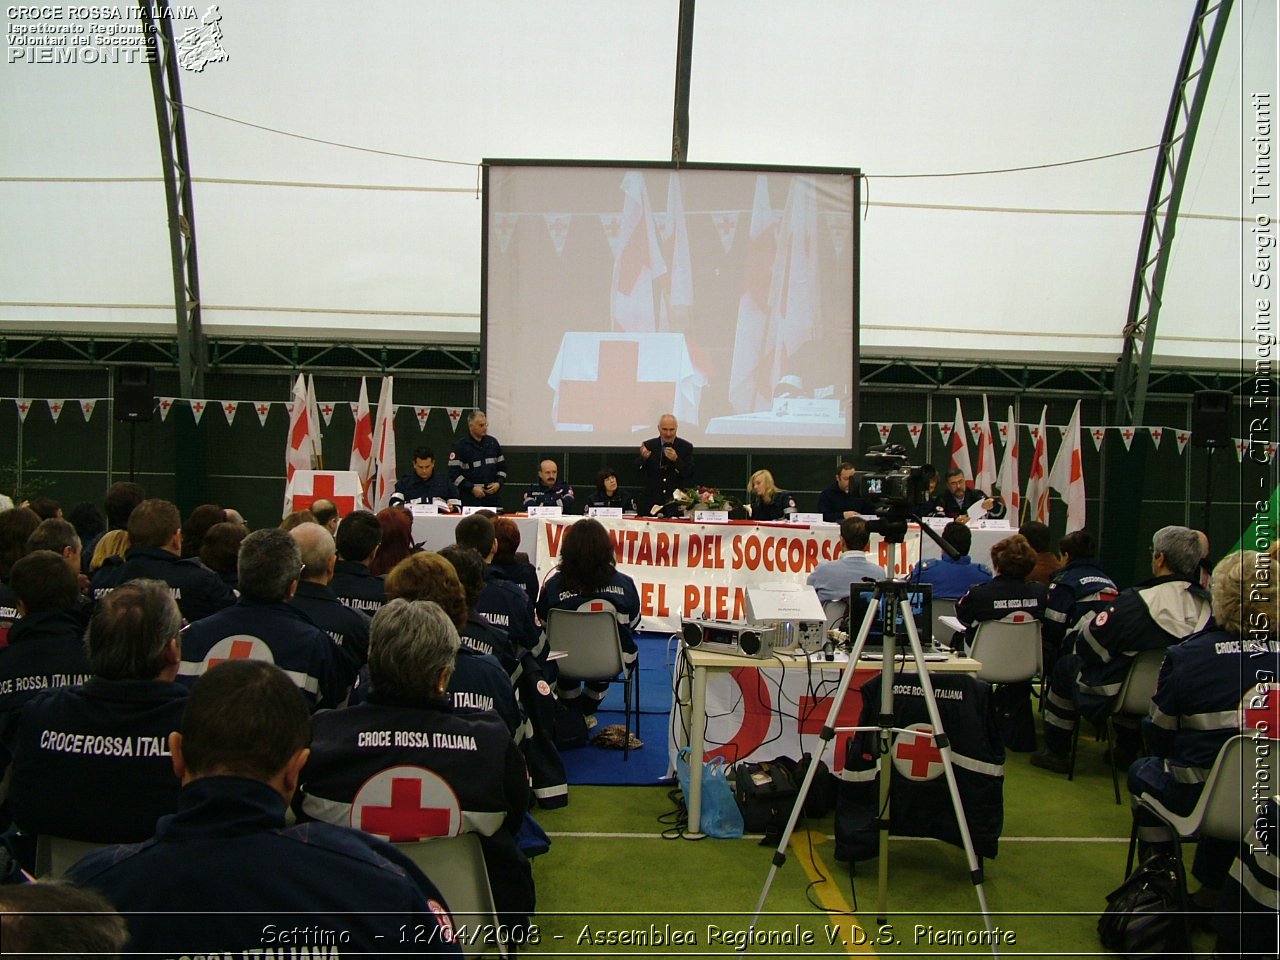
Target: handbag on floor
1142, 918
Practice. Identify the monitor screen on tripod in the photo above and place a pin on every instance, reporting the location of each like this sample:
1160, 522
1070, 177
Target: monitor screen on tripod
919, 595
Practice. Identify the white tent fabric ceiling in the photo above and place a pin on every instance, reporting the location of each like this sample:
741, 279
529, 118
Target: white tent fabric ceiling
309, 239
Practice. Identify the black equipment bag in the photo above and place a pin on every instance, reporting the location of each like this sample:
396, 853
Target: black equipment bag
765, 793
1142, 918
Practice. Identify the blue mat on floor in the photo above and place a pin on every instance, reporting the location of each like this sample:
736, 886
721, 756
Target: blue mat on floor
648, 765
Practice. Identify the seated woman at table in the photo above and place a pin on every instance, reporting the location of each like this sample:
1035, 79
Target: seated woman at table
609, 494
587, 576
767, 501
1006, 595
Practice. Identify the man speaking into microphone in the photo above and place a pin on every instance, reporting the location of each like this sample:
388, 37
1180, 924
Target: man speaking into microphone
666, 462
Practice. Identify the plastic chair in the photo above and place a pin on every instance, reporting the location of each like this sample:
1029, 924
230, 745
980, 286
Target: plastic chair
1009, 650
1133, 700
56, 855
942, 607
456, 866
593, 651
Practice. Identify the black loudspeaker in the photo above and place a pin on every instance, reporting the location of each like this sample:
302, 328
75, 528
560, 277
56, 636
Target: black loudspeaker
135, 394
1211, 418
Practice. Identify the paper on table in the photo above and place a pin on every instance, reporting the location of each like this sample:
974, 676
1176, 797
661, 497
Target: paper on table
953, 623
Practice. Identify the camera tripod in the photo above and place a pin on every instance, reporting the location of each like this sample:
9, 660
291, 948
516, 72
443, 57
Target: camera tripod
896, 591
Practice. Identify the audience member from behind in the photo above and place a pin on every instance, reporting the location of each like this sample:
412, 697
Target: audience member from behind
110, 551
358, 540
1201, 686
197, 525
348, 627
155, 538
1009, 595
46, 646
60, 537
117, 504
55, 919
608, 494
831, 579
296, 519
465, 759
242, 745
1161, 611
326, 514
478, 633
46, 508
1047, 562
131, 699
16, 525
502, 602
220, 550
952, 578
767, 501
88, 521
587, 574
1079, 588
262, 625
397, 540
511, 560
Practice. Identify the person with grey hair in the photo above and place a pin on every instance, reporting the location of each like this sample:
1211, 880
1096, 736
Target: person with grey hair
477, 468
263, 625
462, 763
59, 536
1202, 683
52, 918
1161, 611
348, 626
109, 735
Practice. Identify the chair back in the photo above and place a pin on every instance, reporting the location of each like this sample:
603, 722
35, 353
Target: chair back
1009, 651
1139, 684
1228, 808
589, 638
56, 855
456, 866
835, 611
943, 607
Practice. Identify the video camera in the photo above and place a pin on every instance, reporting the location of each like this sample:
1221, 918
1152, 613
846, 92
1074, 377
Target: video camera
896, 489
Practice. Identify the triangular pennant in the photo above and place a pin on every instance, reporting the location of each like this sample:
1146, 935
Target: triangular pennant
975, 431
558, 227
915, 429
1099, 434
86, 408
165, 404
839, 228
1004, 434
1183, 436
326, 411
945, 429
229, 408
262, 408
1156, 434
504, 224
24, 407
883, 429
421, 414
1242, 447
355, 411
611, 223
455, 414
55, 408
197, 409
726, 224
1126, 434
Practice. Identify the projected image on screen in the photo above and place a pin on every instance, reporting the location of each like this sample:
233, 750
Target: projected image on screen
613, 295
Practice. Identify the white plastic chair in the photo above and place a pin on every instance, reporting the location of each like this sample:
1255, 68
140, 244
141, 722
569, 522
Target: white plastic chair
593, 651
456, 866
1009, 651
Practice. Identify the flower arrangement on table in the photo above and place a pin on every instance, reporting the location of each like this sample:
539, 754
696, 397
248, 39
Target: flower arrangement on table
690, 500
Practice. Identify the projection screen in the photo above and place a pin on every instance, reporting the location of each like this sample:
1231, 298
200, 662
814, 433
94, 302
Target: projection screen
612, 294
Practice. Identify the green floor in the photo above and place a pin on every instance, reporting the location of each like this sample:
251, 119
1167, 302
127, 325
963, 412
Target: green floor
613, 884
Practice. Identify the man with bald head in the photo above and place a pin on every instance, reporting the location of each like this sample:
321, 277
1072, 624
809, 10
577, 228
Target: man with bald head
666, 462
315, 598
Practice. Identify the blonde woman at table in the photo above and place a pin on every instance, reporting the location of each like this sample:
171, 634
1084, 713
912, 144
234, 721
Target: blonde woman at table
767, 501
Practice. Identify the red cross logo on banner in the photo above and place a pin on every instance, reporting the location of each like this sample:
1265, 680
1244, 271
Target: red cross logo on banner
617, 373
406, 803
915, 755
455, 414
1098, 434
165, 404
241, 647
1260, 712
1183, 437
914, 430
1004, 432
327, 410
1127, 434
264, 409
198, 407
322, 488
23, 407
946, 429
813, 714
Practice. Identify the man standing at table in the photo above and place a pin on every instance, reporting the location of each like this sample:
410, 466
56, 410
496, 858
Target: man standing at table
476, 465
666, 462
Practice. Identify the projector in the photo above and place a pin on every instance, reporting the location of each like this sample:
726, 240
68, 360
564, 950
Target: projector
720, 636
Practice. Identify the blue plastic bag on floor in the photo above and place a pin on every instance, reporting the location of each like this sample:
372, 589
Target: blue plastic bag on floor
720, 814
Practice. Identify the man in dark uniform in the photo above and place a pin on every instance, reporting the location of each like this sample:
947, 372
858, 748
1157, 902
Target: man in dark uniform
666, 463
348, 626
127, 708
548, 490
839, 502
243, 742
477, 468
120, 500
155, 553
1077, 589
952, 578
958, 497
424, 485
502, 602
16, 525
264, 626
358, 539
471, 771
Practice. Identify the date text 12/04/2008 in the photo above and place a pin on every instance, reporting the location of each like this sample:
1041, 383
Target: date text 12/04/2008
473, 933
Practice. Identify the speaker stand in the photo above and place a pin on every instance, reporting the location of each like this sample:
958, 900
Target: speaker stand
133, 441
1208, 487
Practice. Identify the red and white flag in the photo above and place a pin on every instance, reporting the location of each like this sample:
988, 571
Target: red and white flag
985, 478
297, 451
313, 419
1067, 475
1038, 482
793, 290
1007, 481
362, 445
959, 448
384, 446
677, 286
639, 262
745, 391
